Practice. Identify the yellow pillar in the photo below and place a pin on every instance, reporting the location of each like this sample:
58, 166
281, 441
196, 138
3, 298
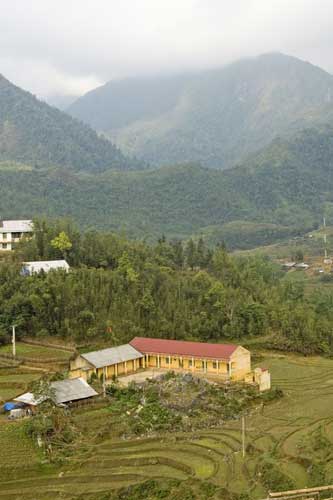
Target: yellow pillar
144, 362
218, 363
116, 370
205, 365
134, 363
158, 361
192, 364
125, 363
169, 361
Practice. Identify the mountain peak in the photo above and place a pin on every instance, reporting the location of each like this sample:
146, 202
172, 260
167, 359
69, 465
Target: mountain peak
33, 132
216, 117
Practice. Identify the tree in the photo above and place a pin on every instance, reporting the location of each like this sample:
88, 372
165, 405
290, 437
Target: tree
62, 243
190, 253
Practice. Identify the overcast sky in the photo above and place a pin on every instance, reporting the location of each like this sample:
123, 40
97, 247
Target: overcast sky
70, 46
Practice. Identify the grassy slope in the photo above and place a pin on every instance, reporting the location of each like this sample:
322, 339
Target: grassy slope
285, 434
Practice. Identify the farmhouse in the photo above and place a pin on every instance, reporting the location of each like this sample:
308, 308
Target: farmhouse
12, 231
45, 266
226, 360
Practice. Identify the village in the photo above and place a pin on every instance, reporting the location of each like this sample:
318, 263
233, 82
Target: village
138, 360
117, 414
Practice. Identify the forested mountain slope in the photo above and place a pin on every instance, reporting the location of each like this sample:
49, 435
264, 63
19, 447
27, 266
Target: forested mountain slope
283, 190
33, 132
213, 117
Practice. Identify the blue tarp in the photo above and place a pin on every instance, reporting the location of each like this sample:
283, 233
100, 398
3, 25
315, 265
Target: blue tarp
11, 406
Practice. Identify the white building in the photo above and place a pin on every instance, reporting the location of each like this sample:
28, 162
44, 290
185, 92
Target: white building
12, 231
36, 267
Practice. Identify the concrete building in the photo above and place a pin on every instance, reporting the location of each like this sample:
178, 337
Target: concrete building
45, 266
12, 231
107, 363
228, 361
261, 377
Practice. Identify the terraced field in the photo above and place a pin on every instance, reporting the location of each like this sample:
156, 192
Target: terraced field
294, 435
14, 381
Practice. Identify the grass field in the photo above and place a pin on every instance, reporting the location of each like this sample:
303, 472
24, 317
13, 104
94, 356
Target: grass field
35, 351
289, 442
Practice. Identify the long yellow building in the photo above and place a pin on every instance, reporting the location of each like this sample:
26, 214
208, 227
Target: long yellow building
228, 361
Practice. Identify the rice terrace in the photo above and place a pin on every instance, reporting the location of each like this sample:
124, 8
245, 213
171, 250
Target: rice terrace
288, 444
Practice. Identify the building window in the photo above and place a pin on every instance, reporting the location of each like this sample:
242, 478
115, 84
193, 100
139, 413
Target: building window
16, 235
203, 365
167, 360
190, 363
4, 236
4, 245
214, 365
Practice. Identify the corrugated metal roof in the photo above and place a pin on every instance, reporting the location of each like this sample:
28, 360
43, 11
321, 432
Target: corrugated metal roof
184, 348
28, 398
45, 265
72, 390
16, 226
112, 355
65, 391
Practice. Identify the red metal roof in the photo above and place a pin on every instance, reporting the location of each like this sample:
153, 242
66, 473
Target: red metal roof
183, 348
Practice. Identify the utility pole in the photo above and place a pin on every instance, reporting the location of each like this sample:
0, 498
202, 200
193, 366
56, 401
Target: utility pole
243, 436
104, 393
14, 340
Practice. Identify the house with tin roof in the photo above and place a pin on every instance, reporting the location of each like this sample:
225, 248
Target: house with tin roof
12, 231
229, 361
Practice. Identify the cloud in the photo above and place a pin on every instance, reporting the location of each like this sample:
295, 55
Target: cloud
70, 46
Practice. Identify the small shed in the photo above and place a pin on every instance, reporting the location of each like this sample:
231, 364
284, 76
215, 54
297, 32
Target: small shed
288, 265
36, 267
66, 391
302, 266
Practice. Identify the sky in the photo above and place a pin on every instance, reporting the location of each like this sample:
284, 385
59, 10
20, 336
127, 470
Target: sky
67, 47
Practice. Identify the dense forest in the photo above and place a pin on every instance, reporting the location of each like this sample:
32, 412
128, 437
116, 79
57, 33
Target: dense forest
215, 117
35, 133
117, 289
280, 192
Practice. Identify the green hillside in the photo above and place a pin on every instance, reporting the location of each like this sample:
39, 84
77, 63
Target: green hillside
282, 191
35, 133
214, 117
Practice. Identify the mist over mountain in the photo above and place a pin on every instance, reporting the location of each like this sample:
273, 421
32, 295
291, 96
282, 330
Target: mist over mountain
35, 133
214, 117
59, 101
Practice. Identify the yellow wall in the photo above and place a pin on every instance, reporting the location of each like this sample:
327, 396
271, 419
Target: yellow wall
240, 365
79, 367
189, 364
